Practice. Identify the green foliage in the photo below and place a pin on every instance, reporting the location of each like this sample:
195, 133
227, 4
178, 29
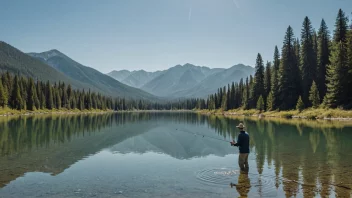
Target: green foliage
27, 95
270, 102
323, 57
300, 104
275, 78
224, 102
260, 103
317, 59
349, 65
314, 95
16, 99
57, 99
31, 95
258, 86
336, 77
341, 26
289, 82
3, 96
308, 59
245, 101
267, 78
49, 96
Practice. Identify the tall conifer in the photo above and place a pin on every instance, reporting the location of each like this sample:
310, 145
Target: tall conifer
308, 60
258, 86
323, 57
289, 83
16, 99
267, 79
3, 96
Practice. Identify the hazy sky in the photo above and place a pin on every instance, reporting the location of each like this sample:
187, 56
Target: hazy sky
157, 34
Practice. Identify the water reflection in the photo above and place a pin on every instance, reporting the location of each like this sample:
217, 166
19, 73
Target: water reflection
309, 158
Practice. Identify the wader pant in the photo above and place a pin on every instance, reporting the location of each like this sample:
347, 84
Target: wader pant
243, 161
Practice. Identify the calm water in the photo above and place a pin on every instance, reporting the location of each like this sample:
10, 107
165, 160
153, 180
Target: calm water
158, 155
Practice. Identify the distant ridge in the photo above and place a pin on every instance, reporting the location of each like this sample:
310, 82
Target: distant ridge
182, 81
89, 76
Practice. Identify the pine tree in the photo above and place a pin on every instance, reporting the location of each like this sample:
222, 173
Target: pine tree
300, 104
337, 72
224, 100
297, 50
233, 97
289, 83
229, 101
336, 77
315, 44
275, 78
31, 95
16, 99
258, 87
245, 100
8, 83
58, 99
89, 101
239, 93
269, 102
341, 26
308, 59
323, 57
349, 65
267, 79
49, 96
314, 95
3, 96
260, 104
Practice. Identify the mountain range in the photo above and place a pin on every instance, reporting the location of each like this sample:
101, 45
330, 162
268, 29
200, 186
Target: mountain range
183, 80
180, 81
54, 66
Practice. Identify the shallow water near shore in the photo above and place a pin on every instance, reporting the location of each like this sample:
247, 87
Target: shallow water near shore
164, 154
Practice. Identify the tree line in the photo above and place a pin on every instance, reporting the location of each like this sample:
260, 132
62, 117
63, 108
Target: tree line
21, 93
314, 70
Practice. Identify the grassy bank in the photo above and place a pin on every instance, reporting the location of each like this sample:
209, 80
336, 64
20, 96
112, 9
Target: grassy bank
9, 112
330, 114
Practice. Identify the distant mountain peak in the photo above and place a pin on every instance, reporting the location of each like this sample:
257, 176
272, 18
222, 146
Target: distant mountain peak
48, 54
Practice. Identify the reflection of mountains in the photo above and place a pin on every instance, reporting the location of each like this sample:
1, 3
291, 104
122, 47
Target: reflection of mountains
177, 144
53, 144
317, 153
54, 157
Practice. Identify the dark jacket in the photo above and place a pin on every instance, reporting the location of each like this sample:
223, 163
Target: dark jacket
243, 142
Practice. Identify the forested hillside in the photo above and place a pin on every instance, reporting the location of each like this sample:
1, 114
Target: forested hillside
20, 93
90, 77
16, 62
313, 70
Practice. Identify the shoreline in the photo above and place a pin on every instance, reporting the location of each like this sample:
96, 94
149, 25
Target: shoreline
7, 112
308, 114
10, 112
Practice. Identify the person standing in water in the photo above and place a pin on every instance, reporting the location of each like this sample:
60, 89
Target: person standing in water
243, 145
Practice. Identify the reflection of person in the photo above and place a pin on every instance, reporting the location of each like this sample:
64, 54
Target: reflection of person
244, 185
243, 145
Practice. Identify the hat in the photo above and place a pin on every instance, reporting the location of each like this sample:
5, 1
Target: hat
240, 126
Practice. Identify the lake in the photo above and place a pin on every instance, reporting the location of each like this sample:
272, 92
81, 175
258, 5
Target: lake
171, 154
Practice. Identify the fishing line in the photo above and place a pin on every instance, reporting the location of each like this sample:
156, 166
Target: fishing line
204, 136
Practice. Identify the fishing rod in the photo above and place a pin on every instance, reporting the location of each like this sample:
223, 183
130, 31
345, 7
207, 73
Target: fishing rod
197, 134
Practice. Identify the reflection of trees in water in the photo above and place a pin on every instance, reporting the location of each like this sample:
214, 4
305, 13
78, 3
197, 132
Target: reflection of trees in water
319, 151
24, 133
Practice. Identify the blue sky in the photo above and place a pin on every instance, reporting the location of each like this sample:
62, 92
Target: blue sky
157, 34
